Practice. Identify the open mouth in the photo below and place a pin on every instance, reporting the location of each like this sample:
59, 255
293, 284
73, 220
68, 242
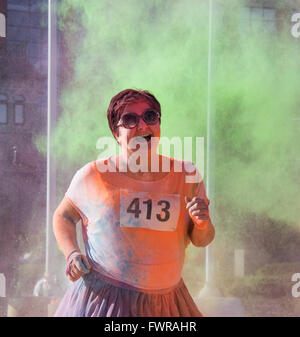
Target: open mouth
146, 136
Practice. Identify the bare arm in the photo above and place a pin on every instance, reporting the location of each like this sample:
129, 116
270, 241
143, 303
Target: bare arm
65, 219
202, 237
201, 231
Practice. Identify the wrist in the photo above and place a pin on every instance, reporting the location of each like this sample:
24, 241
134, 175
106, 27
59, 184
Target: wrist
76, 250
200, 224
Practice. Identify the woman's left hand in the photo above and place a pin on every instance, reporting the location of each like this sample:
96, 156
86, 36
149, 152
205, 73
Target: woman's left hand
197, 207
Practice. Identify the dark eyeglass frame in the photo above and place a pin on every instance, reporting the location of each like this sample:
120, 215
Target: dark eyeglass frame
121, 121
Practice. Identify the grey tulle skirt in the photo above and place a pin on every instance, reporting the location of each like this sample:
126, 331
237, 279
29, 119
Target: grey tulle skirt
95, 295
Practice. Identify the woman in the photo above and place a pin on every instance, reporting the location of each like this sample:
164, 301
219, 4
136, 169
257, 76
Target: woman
136, 222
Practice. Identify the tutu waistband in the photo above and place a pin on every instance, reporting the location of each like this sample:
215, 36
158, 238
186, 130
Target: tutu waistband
94, 274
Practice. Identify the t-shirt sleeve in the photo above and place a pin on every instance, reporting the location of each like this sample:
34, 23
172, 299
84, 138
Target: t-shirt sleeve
195, 182
200, 191
196, 189
77, 193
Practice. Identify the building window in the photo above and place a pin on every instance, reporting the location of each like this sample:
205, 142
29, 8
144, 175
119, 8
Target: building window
19, 110
258, 17
2, 25
3, 109
22, 5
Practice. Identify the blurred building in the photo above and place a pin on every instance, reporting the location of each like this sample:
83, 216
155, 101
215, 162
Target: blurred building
275, 15
23, 117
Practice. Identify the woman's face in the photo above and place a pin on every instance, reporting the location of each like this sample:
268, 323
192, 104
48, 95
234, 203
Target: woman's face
124, 136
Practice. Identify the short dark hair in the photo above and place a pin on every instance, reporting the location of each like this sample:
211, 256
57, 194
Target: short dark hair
124, 97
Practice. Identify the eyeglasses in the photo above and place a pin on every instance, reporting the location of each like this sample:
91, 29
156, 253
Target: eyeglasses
130, 120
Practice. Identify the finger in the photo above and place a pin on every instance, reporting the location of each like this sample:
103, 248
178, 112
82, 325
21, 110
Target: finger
191, 203
196, 206
200, 213
201, 217
86, 262
70, 278
201, 201
81, 266
187, 199
196, 200
74, 272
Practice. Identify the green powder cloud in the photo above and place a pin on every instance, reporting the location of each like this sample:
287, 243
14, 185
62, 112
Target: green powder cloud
162, 46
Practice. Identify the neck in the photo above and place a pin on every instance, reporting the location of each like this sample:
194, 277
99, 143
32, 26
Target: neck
144, 164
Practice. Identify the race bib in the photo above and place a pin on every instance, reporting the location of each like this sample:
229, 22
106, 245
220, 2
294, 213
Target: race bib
154, 211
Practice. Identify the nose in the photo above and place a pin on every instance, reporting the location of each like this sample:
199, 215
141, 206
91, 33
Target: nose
141, 124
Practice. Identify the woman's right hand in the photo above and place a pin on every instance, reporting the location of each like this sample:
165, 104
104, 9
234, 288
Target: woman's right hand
78, 266
65, 219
